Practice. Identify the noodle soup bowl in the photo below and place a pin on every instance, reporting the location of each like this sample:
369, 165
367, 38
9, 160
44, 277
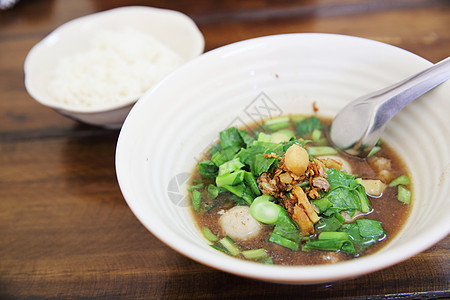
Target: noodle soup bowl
175, 123
174, 30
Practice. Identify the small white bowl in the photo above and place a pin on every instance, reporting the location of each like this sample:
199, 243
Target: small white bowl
173, 29
175, 122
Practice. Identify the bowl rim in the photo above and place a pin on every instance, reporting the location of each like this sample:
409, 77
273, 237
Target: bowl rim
309, 274
198, 41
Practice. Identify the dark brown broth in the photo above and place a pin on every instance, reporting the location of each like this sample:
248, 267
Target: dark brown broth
387, 209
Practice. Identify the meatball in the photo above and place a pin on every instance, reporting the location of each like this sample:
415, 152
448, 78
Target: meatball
238, 224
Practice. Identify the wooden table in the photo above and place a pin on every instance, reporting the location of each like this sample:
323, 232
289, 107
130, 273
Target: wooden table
65, 229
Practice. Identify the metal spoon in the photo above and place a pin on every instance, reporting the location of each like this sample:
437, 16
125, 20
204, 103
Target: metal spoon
358, 126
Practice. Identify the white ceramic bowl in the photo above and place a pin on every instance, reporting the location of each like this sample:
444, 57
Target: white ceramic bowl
173, 29
174, 123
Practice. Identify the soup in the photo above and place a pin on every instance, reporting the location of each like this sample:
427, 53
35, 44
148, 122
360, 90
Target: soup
279, 193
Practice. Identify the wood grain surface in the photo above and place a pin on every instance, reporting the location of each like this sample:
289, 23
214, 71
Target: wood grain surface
65, 229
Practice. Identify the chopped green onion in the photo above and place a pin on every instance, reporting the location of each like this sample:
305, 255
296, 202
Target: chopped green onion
374, 151
207, 233
196, 200
277, 123
265, 211
403, 194
321, 150
403, 180
230, 245
256, 254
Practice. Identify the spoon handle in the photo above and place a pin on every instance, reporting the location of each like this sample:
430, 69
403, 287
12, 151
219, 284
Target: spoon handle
392, 99
358, 126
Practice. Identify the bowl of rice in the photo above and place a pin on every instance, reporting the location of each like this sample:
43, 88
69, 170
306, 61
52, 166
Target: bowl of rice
94, 68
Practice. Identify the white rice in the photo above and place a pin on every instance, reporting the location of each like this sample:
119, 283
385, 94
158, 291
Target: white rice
120, 67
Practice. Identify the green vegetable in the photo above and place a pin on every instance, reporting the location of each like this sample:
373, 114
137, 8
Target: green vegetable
269, 261
230, 166
369, 228
403, 194
307, 125
196, 200
256, 254
264, 210
321, 150
297, 118
218, 158
364, 233
316, 134
262, 164
285, 232
322, 203
374, 150
233, 178
195, 187
214, 149
403, 180
213, 191
334, 236
277, 123
268, 147
329, 245
346, 193
237, 200
303, 183
242, 191
254, 156
351, 238
208, 169
262, 137
251, 182
230, 245
231, 138
248, 140
209, 235
283, 135
331, 223
231, 142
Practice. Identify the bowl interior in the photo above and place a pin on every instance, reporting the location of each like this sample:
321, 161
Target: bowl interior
174, 29
169, 129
